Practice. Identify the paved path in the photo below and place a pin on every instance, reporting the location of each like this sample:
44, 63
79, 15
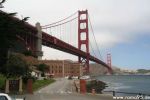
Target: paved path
72, 96
61, 86
63, 89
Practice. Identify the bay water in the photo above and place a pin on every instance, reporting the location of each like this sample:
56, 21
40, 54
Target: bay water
127, 83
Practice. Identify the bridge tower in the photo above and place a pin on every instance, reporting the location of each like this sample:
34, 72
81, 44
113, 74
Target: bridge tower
109, 61
39, 52
83, 31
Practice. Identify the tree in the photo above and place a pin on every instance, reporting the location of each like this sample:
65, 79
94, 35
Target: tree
1, 2
6, 39
43, 68
16, 67
28, 53
9, 29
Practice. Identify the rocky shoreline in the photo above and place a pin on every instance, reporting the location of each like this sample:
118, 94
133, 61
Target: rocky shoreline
96, 85
91, 85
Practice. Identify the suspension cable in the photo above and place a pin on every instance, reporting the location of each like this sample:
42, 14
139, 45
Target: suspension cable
60, 23
90, 43
60, 20
95, 38
92, 49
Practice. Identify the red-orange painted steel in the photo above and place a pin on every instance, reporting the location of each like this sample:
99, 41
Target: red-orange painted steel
109, 62
30, 86
85, 42
82, 86
109, 59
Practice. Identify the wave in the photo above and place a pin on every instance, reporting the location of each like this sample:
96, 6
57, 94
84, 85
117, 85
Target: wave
116, 86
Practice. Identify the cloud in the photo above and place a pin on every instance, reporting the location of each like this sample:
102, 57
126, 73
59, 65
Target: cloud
109, 39
121, 21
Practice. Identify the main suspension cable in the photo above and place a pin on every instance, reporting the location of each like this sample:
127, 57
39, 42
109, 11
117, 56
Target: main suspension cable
60, 23
60, 20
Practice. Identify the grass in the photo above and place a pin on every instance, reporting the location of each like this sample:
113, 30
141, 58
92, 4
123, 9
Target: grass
41, 83
2, 81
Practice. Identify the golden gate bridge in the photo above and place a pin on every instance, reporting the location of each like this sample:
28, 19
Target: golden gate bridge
70, 35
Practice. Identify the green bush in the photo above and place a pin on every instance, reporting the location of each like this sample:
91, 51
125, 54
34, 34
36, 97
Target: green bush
2, 82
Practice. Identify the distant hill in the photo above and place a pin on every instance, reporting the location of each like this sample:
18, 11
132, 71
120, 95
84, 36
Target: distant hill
97, 69
120, 71
143, 71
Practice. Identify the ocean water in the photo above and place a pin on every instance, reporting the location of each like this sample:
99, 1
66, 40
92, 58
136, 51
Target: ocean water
127, 83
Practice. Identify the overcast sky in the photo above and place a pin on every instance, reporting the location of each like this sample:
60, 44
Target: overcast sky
121, 27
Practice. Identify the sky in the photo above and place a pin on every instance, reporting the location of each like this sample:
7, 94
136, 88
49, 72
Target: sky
121, 27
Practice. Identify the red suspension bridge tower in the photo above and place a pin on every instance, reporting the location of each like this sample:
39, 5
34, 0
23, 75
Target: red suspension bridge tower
83, 42
109, 61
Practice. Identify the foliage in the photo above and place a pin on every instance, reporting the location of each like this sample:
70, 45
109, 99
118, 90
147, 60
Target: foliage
28, 53
16, 67
2, 82
43, 68
41, 83
25, 79
1, 2
97, 85
9, 28
143, 71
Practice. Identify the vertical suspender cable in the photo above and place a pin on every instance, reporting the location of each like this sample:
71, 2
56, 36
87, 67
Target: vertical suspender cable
95, 38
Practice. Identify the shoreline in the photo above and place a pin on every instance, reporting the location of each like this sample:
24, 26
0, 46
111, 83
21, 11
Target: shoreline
126, 84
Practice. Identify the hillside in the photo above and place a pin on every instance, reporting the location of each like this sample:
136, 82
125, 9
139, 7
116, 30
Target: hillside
97, 69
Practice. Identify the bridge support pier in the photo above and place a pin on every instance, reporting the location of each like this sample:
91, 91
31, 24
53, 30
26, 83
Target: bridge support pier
39, 52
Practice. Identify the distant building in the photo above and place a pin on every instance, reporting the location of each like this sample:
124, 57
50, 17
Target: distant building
57, 68
62, 68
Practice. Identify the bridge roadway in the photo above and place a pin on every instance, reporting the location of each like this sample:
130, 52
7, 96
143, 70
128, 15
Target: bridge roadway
53, 42
58, 44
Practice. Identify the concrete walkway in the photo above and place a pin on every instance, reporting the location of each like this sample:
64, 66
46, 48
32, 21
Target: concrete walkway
61, 86
63, 89
71, 96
